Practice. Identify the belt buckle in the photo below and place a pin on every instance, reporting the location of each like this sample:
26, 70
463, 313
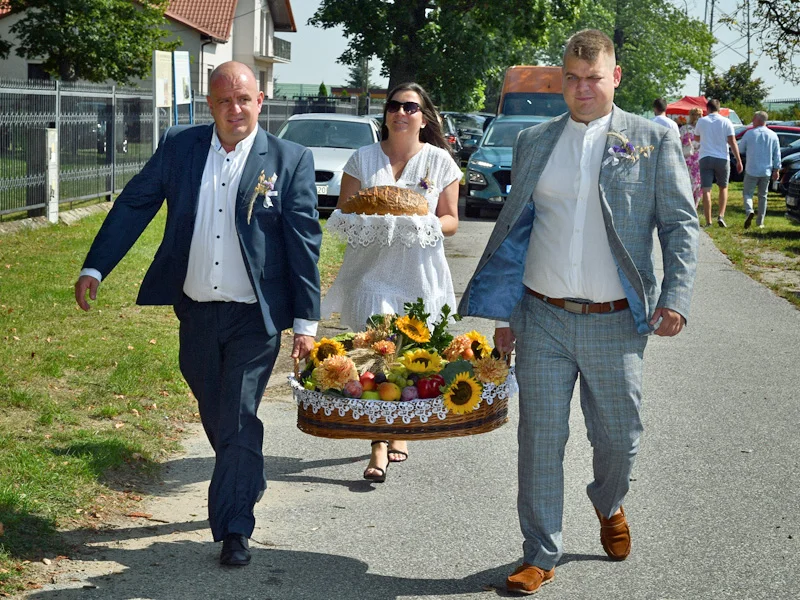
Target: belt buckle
576, 308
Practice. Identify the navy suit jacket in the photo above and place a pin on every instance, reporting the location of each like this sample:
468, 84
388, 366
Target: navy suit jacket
280, 245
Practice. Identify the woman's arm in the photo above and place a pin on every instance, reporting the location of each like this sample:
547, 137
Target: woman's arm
447, 208
350, 186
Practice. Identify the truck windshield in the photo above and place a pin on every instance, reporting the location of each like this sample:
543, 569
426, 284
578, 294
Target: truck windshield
532, 103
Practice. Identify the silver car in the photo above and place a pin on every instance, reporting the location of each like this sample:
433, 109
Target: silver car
331, 138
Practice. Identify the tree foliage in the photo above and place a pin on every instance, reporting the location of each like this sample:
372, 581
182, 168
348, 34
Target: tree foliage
656, 45
775, 25
360, 75
737, 85
323, 90
95, 40
450, 47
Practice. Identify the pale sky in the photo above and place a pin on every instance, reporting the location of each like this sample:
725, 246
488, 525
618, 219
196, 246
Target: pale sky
314, 51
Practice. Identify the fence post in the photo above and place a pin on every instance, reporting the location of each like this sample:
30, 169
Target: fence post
53, 196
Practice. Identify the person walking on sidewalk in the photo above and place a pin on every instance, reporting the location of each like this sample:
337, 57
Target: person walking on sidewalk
763, 161
570, 264
238, 261
715, 134
659, 108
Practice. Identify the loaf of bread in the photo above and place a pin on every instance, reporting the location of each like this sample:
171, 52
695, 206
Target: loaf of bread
386, 200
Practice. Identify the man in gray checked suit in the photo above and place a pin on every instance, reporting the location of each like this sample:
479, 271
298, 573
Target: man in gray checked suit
568, 272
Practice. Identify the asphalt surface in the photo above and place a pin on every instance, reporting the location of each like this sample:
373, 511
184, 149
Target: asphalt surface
714, 509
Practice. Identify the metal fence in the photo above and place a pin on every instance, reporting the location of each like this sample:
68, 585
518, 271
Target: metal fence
104, 133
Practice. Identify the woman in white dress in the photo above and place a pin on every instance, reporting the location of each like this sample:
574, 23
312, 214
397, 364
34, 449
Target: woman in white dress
379, 279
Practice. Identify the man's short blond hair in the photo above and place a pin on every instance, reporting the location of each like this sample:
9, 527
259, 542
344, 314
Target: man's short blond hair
761, 115
588, 45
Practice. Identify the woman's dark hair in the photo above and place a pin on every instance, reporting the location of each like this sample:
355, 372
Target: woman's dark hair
432, 132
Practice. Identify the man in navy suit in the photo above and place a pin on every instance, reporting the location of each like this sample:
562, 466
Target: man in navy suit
238, 262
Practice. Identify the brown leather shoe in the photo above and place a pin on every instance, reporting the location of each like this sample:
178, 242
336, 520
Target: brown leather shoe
528, 579
615, 535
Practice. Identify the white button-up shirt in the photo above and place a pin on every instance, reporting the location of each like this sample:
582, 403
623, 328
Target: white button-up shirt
568, 254
216, 270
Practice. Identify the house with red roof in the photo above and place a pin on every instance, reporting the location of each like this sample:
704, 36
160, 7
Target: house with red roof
211, 31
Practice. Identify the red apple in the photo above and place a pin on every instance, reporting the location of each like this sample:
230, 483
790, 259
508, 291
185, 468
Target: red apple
368, 381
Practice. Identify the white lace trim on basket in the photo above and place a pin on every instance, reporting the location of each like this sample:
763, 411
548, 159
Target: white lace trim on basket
364, 230
391, 411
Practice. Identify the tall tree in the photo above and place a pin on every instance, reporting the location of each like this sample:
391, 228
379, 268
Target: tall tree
656, 45
775, 25
737, 85
360, 75
448, 46
95, 40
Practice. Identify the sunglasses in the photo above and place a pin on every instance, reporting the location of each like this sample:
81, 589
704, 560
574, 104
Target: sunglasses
410, 108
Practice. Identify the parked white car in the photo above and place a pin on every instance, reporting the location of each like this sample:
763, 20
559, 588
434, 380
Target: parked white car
331, 138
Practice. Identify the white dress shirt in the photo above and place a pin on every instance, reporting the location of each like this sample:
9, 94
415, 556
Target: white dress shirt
568, 254
216, 270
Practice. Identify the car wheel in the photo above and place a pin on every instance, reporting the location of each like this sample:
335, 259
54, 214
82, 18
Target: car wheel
473, 212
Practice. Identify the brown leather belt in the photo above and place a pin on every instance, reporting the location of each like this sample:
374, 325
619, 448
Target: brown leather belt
582, 308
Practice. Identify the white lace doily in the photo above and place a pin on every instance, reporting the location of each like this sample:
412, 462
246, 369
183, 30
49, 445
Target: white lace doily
364, 230
423, 409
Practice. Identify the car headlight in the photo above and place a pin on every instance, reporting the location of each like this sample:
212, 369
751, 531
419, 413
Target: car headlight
480, 163
476, 178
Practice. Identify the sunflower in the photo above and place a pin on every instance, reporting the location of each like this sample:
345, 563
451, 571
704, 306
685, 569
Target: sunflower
457, 347
463, 395
490, 370
480, 345
384, 347
413, 329
325, 348
334, 372
422, 361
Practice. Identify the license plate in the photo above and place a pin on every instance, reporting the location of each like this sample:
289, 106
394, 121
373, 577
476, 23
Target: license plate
791, 201
322, 190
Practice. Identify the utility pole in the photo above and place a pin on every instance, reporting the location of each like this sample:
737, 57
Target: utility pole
747, 5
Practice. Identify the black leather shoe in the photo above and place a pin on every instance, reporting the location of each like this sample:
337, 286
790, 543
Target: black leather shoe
235, 550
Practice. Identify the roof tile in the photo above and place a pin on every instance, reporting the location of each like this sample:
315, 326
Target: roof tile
212, 17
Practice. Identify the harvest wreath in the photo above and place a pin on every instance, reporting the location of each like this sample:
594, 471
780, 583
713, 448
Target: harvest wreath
400, 378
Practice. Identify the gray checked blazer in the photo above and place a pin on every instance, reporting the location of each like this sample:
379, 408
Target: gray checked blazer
638, 198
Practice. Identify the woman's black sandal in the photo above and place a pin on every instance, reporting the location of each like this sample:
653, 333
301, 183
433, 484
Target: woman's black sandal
381, 477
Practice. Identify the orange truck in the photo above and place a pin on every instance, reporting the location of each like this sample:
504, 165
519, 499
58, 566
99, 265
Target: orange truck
532, 90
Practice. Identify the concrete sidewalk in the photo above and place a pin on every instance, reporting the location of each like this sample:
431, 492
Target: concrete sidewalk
714, 508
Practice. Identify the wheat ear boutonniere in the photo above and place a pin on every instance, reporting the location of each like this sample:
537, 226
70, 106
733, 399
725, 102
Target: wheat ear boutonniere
625, 150
263, 187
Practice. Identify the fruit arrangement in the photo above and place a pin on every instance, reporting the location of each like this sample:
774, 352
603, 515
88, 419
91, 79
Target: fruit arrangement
399, 358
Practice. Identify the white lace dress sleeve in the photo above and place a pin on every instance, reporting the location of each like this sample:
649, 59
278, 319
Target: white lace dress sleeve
391, 260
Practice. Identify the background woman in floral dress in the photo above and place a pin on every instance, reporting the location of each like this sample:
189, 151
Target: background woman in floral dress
691, 153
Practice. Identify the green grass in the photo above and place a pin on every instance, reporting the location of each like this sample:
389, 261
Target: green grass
770, 255
89, 402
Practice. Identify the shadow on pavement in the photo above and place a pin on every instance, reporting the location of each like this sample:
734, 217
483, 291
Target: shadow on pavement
184, 570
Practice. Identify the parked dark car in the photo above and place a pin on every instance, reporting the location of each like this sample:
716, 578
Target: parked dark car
789, 166
470, 128
793, 198
786, 135
488, 178
450, 131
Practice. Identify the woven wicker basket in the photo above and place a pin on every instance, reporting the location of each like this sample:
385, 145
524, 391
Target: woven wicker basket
343, 418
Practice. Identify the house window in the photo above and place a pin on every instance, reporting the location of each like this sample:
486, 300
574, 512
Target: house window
262, 81
36, 72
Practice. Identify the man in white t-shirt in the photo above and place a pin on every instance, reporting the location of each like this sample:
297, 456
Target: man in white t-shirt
715, 134
659, 108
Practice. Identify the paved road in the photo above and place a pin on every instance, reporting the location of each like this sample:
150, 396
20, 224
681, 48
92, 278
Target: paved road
714, 508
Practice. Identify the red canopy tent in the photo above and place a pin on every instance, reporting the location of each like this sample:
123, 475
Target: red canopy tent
685, 104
